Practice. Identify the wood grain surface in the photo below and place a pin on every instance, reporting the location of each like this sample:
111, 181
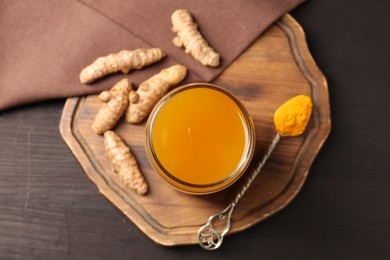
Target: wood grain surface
275, 68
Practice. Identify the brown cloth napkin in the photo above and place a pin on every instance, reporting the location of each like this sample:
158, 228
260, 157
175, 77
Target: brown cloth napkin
45, 44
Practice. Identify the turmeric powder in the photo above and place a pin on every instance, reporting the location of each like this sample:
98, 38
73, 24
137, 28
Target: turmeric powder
293, 116
193, 42
115, 103
124, 163
150, 91
124, 61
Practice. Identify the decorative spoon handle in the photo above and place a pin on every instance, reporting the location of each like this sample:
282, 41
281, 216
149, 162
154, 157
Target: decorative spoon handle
208, 236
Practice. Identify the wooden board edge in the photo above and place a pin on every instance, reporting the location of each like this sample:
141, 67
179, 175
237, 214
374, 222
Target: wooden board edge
315, 72
314, 75
67, 133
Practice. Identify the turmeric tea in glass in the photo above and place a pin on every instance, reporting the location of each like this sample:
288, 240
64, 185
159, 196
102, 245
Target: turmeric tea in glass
200, 138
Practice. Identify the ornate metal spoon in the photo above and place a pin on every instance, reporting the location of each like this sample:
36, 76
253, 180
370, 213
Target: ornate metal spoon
290, 120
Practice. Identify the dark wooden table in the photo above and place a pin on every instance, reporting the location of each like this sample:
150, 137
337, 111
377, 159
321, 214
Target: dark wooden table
50, 210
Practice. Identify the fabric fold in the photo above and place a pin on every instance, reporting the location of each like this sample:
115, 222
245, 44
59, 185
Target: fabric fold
44, 45
229, 26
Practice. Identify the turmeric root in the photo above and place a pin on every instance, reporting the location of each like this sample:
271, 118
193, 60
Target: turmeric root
193, 42
150, 91
124, 61
124, 163
115, 103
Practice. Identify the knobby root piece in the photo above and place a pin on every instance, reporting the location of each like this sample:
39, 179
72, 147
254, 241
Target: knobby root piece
115, 103
151, 91
193, 42
124, 163
124, 61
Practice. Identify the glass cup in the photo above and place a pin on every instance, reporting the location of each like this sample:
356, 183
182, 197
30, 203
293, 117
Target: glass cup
200, 138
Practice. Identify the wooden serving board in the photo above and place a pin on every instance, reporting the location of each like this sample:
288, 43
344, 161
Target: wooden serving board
275, 68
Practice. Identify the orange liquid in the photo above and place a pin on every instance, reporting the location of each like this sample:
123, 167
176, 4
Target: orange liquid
200, 136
